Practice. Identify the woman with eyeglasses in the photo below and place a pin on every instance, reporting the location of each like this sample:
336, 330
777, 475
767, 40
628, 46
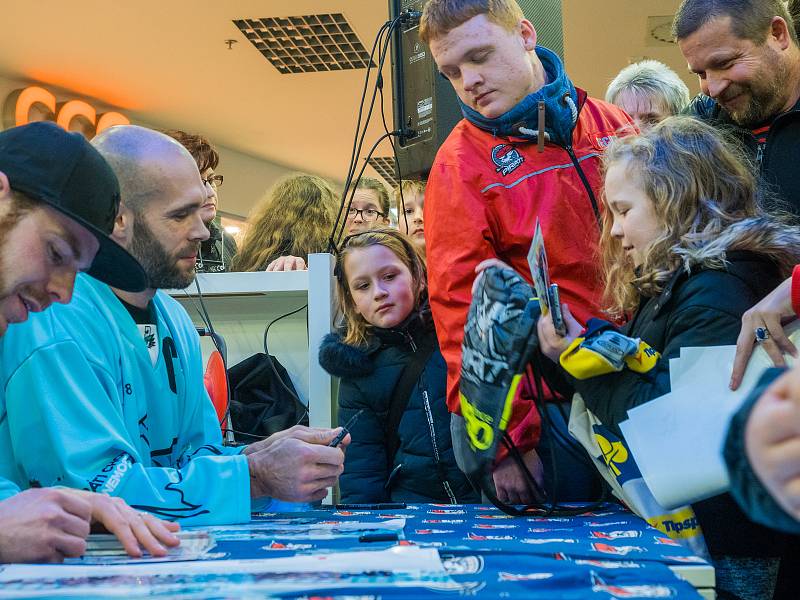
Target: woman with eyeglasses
369, 208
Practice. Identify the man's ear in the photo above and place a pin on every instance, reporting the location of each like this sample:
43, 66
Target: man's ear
528, 34
779, 32
123, 226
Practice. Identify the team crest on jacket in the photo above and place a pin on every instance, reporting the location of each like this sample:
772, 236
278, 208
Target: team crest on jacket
506, 158
601, 141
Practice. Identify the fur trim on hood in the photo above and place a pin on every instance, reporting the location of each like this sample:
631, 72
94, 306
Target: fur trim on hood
763, 235
343, 360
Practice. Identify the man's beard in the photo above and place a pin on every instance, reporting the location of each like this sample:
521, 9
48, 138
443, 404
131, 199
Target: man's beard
19, 207
162, 269
7, 223
767, 98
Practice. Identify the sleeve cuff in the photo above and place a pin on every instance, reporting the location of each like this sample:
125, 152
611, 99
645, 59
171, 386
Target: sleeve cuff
796, 290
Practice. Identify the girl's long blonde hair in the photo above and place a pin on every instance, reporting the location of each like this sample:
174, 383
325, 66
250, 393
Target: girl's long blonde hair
295, 218
704, 194
358, 329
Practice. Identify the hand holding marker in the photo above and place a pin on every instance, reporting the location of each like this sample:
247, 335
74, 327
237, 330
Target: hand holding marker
345, 430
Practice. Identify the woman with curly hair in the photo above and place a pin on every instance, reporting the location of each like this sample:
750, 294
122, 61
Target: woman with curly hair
293, 220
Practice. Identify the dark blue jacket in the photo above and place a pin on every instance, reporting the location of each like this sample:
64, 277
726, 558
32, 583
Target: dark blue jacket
746, 487
368, 376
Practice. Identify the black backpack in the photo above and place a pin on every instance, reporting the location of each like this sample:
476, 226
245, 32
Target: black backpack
260, 404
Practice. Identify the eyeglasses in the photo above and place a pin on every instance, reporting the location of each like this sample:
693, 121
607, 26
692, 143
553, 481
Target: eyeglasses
215, 181
368, 214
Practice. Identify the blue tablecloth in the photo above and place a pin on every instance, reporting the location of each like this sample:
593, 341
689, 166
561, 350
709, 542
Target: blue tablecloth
609, 553
602, 555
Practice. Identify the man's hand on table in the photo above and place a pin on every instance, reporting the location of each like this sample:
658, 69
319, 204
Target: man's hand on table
296, 465
134, 529
50, 524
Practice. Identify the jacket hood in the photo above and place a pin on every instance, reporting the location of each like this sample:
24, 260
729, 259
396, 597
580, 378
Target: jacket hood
561, 107
344, 360
763, 236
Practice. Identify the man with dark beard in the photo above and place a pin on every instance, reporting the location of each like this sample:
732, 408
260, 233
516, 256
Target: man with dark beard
130, 416
746, 55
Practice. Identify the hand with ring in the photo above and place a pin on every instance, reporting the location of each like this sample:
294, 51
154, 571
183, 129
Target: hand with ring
765, 320
762, 334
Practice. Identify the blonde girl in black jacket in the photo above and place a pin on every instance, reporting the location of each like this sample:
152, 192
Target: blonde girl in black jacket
686, 250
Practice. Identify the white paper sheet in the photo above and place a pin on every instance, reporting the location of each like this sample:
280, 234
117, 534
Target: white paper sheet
404, 566
677, 439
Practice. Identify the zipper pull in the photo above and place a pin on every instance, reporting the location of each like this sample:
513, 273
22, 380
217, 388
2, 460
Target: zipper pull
541, 126
411, 342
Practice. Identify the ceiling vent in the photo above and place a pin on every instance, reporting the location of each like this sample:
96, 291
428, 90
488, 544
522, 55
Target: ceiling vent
384, 166
306, 44
659, 31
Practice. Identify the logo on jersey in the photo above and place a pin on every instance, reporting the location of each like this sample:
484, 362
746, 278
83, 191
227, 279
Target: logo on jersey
506, 158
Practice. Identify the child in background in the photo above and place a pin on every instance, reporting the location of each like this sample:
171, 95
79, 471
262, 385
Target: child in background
410, 219
686, 251
401, 448
370, 206
292, 221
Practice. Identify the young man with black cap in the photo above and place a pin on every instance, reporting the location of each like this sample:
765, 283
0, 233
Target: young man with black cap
58, 202
133, 384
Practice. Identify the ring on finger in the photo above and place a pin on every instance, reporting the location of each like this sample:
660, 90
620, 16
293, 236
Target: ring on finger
762, 334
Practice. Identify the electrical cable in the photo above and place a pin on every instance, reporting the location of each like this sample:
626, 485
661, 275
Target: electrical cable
216, 339
244, 433
402, 207
546, 504
341, 219
291, 392
356, 145
353, 188
360, 173
547, 422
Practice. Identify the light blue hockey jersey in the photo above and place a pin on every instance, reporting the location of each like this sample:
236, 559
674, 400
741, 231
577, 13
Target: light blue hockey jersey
81, 405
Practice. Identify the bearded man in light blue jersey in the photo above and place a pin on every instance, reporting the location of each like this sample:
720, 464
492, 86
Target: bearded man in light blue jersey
130, 417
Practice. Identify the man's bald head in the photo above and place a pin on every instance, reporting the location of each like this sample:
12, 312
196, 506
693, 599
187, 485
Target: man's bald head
147, 163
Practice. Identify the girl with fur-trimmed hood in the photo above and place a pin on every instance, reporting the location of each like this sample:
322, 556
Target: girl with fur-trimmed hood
686, 251
392, 376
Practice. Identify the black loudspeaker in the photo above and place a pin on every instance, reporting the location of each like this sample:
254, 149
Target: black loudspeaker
425, 106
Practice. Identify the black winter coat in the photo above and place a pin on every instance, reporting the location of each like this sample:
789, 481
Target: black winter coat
779, 157
701, 309
368, 376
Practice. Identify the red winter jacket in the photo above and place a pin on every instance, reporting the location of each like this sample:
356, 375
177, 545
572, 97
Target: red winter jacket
482, 202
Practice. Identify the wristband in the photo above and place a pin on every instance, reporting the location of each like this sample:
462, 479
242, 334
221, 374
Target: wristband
796, 290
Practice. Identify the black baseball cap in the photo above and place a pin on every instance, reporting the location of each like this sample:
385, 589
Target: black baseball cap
63, 170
